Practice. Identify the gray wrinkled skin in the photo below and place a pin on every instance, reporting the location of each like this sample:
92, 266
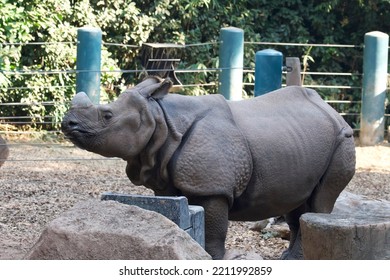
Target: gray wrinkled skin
284, 153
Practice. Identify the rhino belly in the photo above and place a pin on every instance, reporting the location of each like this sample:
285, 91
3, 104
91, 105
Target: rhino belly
270, 198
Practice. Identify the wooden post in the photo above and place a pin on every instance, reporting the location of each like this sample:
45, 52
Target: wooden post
293, 76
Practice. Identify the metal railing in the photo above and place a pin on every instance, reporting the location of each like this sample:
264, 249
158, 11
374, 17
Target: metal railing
17, 121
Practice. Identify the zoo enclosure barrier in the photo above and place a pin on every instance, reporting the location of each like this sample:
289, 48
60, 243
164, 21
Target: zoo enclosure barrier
231, 69
268, 73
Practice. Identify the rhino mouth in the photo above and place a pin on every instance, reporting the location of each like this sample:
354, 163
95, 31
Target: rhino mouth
76, 131
77, 134
71, 129
81, 139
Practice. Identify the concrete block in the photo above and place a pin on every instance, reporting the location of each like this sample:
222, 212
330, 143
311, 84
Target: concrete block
189, 218
197, 224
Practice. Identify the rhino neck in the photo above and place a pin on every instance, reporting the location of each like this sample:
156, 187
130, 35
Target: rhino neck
174, 117
150, 167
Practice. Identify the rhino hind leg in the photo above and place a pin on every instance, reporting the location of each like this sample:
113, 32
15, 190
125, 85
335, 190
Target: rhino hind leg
294, 250
340, 171
337, 176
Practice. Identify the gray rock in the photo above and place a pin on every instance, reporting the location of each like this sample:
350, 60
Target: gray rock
240, 254
259, 225
111, 230
354, 204
279, 230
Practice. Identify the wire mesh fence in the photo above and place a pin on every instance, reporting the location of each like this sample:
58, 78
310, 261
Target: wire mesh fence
32, 126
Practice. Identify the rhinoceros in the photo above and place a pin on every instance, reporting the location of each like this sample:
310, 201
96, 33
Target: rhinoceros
284, 153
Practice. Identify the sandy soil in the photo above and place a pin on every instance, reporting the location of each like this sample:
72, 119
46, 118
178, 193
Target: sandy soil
39, 182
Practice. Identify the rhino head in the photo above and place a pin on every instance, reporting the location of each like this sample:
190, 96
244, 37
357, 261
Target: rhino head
119, 129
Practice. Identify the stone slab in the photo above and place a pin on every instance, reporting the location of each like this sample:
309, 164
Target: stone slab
190, 218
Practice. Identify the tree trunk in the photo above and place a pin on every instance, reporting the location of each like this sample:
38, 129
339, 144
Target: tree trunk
358, 229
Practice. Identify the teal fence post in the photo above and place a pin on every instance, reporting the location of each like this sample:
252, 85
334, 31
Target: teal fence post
268, 71
89, 42
375, 60
231, 62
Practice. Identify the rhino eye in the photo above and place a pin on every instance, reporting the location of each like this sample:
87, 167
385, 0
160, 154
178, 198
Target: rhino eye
107, 116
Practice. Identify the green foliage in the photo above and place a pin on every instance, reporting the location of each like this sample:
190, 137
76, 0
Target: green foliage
174, 21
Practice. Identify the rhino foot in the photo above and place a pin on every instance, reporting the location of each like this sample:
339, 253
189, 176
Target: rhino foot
291, 254
294, 251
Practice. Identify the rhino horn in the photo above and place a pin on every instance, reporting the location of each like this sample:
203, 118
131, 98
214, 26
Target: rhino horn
81, 99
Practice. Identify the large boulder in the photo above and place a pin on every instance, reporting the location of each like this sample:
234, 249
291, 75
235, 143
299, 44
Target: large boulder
111, 230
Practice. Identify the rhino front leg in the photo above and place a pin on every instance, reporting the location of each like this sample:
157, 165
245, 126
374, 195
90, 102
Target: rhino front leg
216, 223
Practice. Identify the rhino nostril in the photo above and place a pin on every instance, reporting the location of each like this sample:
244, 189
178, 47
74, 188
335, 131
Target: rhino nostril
72, 123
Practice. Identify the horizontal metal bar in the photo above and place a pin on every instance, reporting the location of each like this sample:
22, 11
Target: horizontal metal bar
193, 45
14, 144
45, 103
331, 74
329, 86
304, 45
201, 44
343, 101
31, 122
29, 132
35, 87
349, 114
316, 86
35, 43
245, 69
120, 45
196, 70
24, 117
199, 85
163, 60
39, 72
42, 72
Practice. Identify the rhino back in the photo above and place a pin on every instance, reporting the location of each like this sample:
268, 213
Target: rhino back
291, 134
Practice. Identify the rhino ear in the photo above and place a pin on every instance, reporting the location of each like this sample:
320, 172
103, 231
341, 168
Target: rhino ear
154, 87
163, 89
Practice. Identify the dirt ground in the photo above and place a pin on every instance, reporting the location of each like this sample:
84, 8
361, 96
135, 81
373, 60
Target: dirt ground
40, 181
